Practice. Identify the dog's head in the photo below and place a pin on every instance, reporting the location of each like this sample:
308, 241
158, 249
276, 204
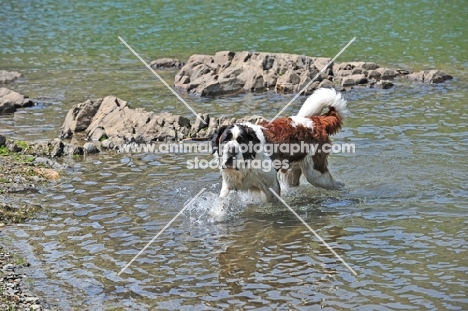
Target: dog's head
234, 144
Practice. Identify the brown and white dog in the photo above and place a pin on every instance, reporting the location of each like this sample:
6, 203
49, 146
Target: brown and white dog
293, 146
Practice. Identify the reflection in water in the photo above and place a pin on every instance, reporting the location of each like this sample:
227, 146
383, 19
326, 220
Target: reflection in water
263, 250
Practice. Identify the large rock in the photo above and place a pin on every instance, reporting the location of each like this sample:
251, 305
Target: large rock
111, 118
11, 100
9, 76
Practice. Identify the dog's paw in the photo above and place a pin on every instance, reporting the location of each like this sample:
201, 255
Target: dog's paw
339, 184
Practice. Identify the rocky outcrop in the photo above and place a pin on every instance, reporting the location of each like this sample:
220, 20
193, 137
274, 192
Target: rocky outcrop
10, 101
229, 72
166, 63
9, 76
111, 118
430, 76
109, 123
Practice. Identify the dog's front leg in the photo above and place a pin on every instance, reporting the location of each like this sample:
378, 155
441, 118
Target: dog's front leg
224, 190
273, 183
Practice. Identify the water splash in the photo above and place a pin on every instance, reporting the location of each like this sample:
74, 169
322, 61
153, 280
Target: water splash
210, 208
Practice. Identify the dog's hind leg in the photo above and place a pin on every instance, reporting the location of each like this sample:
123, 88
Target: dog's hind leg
318, 179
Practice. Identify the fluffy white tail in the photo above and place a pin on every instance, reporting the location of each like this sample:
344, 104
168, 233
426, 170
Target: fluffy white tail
323, 98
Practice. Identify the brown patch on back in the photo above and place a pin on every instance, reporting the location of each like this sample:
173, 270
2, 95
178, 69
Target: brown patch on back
281, 131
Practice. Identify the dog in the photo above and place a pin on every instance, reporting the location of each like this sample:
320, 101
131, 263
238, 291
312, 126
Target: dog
276, 143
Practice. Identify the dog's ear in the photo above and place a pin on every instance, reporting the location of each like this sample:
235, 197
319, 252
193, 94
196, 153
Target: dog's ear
251, 136
215, 138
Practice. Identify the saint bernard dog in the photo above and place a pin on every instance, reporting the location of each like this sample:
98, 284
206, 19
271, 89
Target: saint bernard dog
253, 157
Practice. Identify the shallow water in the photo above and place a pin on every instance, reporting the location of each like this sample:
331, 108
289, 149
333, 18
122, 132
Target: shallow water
400, 222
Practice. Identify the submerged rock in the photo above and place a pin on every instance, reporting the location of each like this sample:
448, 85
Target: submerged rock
166, 63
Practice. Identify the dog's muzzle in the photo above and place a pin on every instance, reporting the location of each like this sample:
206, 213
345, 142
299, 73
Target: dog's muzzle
230, 158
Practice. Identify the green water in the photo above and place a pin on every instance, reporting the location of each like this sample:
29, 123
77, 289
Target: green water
71, 48
400, 222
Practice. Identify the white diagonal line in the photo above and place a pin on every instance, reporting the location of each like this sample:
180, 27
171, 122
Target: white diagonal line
164, 82
160, 232
311, 81
312, 230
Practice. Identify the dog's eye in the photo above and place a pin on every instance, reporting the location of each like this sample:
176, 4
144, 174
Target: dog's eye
227, 138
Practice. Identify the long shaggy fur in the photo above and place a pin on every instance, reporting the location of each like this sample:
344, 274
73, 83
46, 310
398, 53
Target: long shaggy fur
294, 130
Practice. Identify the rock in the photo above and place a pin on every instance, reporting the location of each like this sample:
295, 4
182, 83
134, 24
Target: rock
386, 73
354, 80
343, 73
57, 148
107, 144
13, 145
9, 76
111, 118
49, 163
47, 173
199, 125
7, 107
79, 117
72, 149
384, 84
29, 300
35, 307
374, 74
11, 100
2, 140
8, 267
90, 148
39, 148
431, 76
166, 63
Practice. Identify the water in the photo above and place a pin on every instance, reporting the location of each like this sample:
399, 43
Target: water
400, 222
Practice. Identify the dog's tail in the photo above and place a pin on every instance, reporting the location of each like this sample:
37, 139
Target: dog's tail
321, 99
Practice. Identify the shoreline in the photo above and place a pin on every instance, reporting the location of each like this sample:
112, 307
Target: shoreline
21, 174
